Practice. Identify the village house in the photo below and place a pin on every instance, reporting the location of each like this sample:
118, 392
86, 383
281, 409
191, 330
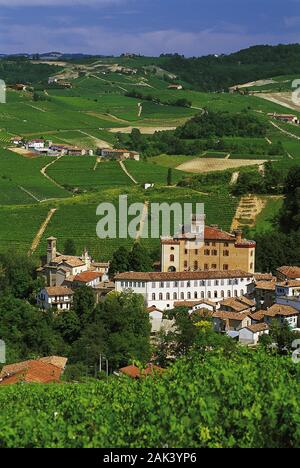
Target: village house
279, 312
16, 140
219, 250
158, 321
288, 293
56, 298
64, 150
163, 290
287, 118
230, 321
264, 293
43, 371
37, 144
201, 305
251, 334
119, 154
177, 87
285, 273
59, 267
237, 305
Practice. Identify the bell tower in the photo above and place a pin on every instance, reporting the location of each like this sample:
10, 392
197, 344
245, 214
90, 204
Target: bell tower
51, 249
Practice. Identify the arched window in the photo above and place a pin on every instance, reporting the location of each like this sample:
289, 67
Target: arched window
235, 294
171, 269
242, 292
222, 294
153, 297
175, 296
189, 295
196, 295
182, 296
209, 295
202, 295
216, 294
161, 296
229, 294
168, 296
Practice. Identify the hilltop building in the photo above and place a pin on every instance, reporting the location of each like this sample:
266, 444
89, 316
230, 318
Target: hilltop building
119, 154
59, 267
177, 87
164, 290
287, 118
220, 250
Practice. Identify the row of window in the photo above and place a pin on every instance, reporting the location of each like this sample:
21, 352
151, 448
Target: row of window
184, 284
189, 296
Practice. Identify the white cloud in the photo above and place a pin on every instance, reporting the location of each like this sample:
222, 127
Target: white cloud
99, 40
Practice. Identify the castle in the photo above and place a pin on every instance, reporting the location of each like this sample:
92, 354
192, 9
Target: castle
219, 250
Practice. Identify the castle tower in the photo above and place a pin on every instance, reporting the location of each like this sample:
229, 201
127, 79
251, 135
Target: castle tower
51, 249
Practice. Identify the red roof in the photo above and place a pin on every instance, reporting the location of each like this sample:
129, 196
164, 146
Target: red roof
88, 276
135, 373
212, 233
32, 372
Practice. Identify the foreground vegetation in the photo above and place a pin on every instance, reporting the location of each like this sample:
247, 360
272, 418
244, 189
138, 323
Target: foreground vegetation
213, 399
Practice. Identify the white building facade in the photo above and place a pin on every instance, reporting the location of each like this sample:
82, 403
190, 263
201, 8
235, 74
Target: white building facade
163, 290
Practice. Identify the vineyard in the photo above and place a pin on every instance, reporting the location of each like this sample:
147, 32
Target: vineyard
233, 401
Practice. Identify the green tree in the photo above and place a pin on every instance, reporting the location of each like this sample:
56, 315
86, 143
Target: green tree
139, 258
126, 329
70, 247
84, 304
170, 176
119, 262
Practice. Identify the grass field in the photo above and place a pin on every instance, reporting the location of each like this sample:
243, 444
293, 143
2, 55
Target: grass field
149, 172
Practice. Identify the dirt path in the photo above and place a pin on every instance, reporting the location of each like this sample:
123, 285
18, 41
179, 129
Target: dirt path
140, 106
143, 220
44, 169
281, 99
269, 141
292, 135
234, 178
100, 143
29, 193
249, 208
36, 108
40, 233
98, 161
228, 156
127, 173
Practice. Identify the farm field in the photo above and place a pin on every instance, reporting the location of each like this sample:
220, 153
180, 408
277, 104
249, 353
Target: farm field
201, 165
17, 171
148, 172
84, 174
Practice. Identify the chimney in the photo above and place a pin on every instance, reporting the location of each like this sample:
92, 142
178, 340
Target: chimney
238, 235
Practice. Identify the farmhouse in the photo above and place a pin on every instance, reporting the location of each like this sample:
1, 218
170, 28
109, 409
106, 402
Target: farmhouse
163, 290
230, 321
55, 298
37, 144
119, 154
251, 334
177, 87
63, 150
219, 250
288, 118
281, 313
288, 293
265, 293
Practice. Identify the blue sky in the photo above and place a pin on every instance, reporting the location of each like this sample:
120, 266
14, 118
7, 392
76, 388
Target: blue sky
191, 27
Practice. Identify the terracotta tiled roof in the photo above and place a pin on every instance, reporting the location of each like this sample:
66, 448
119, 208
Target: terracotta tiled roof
230, 316
88, 276
289, 284
186, 275
258, 327
291, 272
258, 316
234, 304
68, 260
57, 361
153, 309
266, 285
194, 303
279, 309
264, 277
30, 372
135, 373
59, 291
211, 233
